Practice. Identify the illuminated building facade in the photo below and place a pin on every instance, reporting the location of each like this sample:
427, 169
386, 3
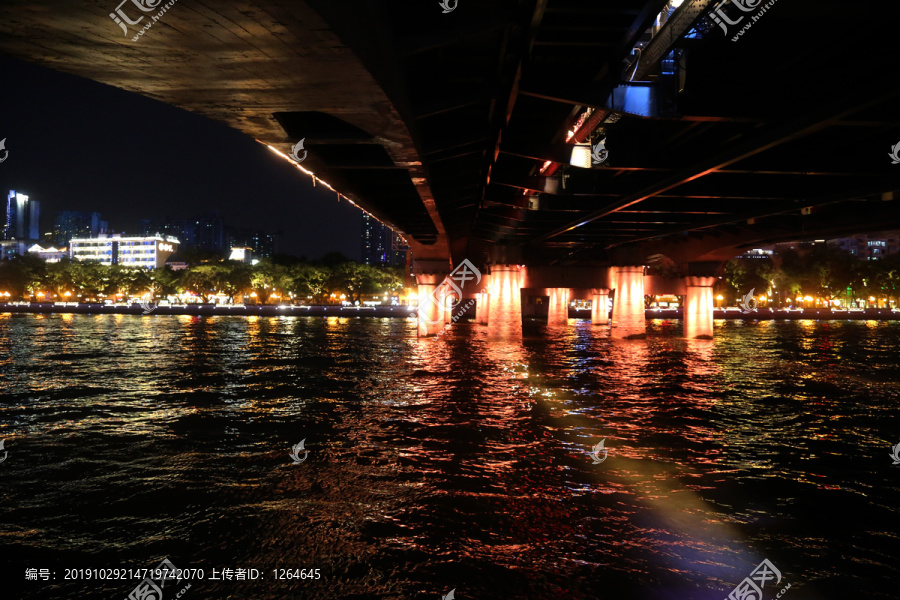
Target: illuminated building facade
870, 247
149, 252
244, 255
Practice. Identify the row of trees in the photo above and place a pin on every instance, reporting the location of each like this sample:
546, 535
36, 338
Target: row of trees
824, 272
28, 277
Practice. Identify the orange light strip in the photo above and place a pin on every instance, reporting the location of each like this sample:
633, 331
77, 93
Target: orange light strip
316, 178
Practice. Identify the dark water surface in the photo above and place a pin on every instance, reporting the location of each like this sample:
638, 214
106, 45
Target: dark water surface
451, 463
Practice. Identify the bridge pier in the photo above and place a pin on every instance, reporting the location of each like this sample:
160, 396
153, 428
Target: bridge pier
505, 301
482, 302
431, 309
558, 309
698, 307
628, 305
449, 303
599, 306
430, 276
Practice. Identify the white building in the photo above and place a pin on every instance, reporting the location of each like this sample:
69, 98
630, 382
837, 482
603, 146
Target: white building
149, 252
244, 255
50, 254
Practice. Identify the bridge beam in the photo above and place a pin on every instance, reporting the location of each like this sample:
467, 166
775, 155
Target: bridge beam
666, 38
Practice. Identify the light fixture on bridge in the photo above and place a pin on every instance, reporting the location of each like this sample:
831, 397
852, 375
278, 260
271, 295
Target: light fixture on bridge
534, 202
581, 156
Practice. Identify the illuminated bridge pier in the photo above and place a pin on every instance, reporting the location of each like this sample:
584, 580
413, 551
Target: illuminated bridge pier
506, 292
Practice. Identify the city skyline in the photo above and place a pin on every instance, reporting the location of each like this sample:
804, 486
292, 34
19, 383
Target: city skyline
145, 157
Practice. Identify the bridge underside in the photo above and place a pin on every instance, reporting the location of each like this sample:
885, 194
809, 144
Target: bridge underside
454, 128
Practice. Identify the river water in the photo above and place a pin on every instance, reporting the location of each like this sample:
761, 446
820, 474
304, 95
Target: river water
453, 463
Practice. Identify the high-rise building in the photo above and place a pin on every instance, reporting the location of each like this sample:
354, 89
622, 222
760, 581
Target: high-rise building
381, 245
22, 218
263, 245
69, 224
238, 238
183, 229
209, 232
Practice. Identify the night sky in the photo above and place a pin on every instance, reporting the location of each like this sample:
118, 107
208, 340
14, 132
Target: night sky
75, 144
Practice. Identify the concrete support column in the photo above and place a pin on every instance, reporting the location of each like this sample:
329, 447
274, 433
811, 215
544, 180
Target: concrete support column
505, 301
558, 310
600, 306
449, 302
431, 303
482, 302
628, 305
698, 307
